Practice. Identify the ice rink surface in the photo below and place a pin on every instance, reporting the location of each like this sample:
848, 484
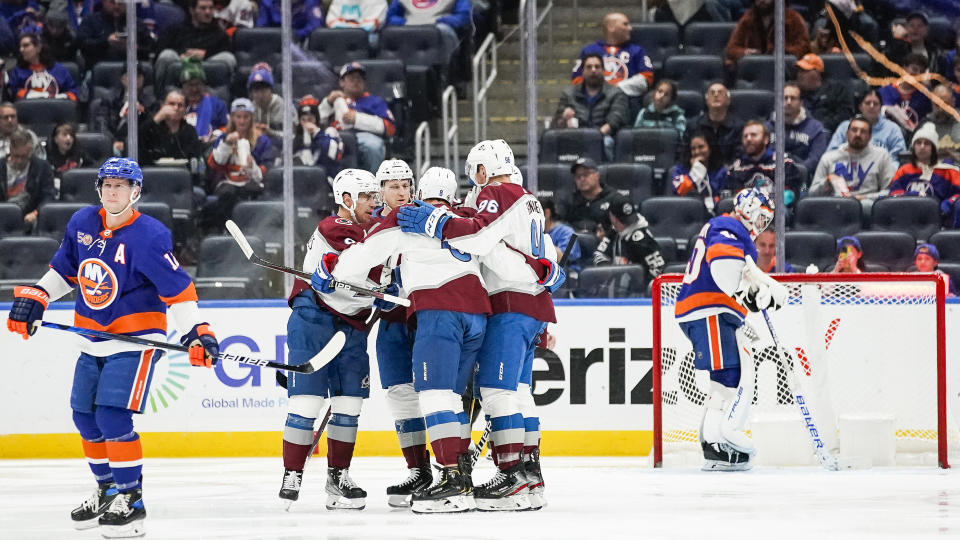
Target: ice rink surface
587, 498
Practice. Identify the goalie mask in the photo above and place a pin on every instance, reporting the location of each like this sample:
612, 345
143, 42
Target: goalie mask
496, 158
754, 210
354, 182
438, 183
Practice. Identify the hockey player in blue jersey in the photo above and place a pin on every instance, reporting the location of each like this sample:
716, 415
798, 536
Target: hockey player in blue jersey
122, 264
722, 283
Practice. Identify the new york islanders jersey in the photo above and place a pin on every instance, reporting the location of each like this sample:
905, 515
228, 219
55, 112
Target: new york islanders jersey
125, 277
507, 230
333, 235
723, 237
434, 275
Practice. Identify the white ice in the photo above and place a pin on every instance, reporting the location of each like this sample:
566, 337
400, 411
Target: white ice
588, 498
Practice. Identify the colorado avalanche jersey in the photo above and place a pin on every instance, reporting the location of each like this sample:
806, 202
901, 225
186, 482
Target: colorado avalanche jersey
723, 237
333, 235
506, 231
434, 275
125, 277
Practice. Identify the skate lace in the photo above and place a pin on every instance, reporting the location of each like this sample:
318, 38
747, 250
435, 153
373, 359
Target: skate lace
291, 480
93, 502
346, 481
412, 479
497, 478
120, 505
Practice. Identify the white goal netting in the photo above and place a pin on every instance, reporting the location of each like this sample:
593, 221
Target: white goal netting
868, 351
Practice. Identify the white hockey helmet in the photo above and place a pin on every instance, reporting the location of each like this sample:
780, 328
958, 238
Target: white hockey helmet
516, 177
754, 209
354, 182
495, 156
438, 183
394, 169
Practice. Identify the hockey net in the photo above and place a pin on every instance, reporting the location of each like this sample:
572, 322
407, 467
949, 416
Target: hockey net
867, 349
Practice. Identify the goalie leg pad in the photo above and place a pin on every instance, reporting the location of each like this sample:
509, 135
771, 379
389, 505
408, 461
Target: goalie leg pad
736, 409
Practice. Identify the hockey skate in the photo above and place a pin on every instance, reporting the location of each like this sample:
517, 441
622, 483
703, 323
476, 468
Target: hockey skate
125, 516
398, 496
290, 488
342, 492
452, 493
721, 456
87, 515
507, 490
531, 467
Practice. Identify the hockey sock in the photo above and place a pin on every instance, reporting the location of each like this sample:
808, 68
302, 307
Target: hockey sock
507, 433
94, 448
531, 435
465, 436
122, 444
341, 438
412, 434
297, 440
444, 430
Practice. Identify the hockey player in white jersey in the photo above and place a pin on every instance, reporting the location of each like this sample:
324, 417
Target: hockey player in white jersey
520, 271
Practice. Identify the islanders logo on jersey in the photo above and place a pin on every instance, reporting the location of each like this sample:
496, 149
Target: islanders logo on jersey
41, 83
97, 283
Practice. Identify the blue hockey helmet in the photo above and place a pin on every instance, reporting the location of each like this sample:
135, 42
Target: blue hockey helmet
118, 167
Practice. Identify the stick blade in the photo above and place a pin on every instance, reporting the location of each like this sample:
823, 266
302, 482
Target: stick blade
328, 353
238, 236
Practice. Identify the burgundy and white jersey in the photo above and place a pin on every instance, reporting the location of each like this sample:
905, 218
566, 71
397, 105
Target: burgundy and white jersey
433, 275
507, 232
333, 235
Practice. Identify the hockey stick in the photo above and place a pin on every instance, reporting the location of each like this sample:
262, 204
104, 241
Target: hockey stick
313, 446
481, 442
317, 362
241, 240
827, 460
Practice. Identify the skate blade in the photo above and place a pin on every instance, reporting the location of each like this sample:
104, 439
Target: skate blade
130, 530
513, 503
450, 505
723, 466
537, 501
87, 523
335, 502
398, 501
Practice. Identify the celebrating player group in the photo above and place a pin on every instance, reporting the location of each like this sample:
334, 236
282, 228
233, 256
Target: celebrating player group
477, 277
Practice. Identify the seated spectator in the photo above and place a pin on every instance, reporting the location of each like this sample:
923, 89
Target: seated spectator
587, 209
26, 179
927, 176
269, 106
452, 19
683, 12
724, 128
885, 133
829, 101
560, 233
849, 257
21, 15
113, 114
754, 33
76, 11
233, 14
166, 135
948, 129
856, 169
628, 240
593, 104
238, 162
625, 63
9, 125
663, 111
58, 38
912, 38
205, 112
313, 145
63, 152
371, 15
926, 258
701, 172
806, 139
200, 38
903, 103
352, 107
37, 75
824, 40
8, 39
305, 16
103, 35
754, 168
766, 243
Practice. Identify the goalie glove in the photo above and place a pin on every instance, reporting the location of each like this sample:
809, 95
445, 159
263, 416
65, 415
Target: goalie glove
758, 291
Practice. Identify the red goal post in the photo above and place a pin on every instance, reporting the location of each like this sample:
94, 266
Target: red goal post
871, 348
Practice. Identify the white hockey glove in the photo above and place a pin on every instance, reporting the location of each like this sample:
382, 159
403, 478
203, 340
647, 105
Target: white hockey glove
758, 291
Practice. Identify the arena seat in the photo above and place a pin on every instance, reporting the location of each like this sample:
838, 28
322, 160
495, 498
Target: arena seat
634, 180
41, 115
254, 45
569, 145
893, 249
263, 219
554, 180
159, 211
169, 15
655, 147
836, 66
724, 206
942, 33
621, 281
755, 71
98, 145
810, 247
52, 218
676, 217
919, 216
223, 272
839, 216
172, 185
660, 40
694, 72
420, 48
952, 270
668, 249
311, 191
386, 78
707, 37
79, 185
24, 259
350, 150
691, 102
947, 244
588, 244
339, 46
11, 220
751, 104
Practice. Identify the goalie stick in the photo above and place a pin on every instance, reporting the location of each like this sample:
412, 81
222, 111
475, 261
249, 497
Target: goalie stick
241, 240
317, 362
826, 459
